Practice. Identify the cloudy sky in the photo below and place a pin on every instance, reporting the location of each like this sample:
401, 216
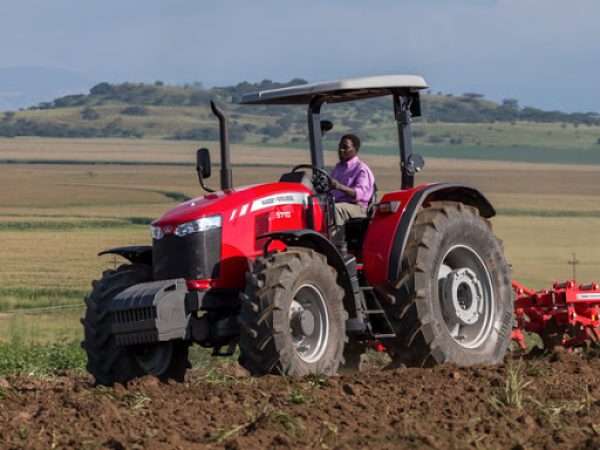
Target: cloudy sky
544, 53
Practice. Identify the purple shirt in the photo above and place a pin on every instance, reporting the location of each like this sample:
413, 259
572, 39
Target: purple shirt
356, 175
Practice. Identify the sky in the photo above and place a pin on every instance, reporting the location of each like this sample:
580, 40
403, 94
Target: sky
543, 53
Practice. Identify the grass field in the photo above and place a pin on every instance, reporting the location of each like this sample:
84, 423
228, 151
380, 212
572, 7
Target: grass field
55, 218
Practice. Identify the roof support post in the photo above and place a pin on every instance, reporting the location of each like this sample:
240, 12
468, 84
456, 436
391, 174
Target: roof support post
402, 101
314, 132
226, 182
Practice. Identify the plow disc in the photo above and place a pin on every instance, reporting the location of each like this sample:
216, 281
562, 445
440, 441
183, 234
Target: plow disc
567, 315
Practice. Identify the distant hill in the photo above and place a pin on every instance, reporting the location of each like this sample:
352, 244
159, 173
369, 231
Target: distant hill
467, 125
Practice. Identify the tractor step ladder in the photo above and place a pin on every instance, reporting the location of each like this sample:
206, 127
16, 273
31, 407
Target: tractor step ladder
380, 326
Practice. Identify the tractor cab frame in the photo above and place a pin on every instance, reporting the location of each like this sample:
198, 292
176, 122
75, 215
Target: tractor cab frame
404, 90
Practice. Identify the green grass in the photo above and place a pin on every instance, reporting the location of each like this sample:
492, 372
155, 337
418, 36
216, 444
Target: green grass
103, 162
545, 213
42, 344
30, 298
41, 359
515, 153
512, 395
29, 327
70, 225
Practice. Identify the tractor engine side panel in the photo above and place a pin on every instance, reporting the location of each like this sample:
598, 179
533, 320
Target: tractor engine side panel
246, 213
240, 241
380, 235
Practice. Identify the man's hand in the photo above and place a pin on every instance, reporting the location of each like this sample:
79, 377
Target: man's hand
343, 188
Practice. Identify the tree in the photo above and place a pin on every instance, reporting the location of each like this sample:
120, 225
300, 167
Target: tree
135, 111
472, 95
102, 89
8, 116
89, 113
273, 131
510, 103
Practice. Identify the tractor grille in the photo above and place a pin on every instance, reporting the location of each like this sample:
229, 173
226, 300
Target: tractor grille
135, 326
193, 257
135, 315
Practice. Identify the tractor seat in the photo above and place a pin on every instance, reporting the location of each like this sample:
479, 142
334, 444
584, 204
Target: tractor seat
356, 227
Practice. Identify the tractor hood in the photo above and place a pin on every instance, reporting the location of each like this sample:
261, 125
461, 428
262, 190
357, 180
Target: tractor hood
232, 203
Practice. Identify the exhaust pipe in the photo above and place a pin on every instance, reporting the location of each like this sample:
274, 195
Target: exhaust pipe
226, 182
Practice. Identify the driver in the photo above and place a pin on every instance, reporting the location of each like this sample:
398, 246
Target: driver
353, 181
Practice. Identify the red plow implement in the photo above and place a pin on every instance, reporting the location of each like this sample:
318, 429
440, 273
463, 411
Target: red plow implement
568, 314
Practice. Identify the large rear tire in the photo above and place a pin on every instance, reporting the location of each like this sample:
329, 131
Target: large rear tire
110, 363
292, 316
453, 301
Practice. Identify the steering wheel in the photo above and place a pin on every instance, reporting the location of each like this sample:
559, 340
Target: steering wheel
321, 180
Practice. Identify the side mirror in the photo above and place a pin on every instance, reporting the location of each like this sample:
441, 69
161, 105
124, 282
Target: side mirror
203, 167
414, 163
326, 126
203, 163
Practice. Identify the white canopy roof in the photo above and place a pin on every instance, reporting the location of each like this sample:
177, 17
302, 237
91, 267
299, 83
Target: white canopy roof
336, 91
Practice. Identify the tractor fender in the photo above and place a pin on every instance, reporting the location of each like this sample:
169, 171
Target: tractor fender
462, 193
319, 243
138, 254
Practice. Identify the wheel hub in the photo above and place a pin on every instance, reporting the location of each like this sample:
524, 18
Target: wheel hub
303, 322
463, 295
309, 323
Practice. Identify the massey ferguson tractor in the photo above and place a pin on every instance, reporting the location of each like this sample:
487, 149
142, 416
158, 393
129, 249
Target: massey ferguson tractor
265, 267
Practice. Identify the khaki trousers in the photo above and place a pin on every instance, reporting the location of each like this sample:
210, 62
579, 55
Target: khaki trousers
345, 211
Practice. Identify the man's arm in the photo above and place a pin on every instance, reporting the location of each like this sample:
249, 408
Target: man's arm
362, 188
343, 188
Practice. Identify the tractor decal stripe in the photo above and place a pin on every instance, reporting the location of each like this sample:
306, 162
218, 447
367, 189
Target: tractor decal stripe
287, 198
588, 296
232, 215
244, 210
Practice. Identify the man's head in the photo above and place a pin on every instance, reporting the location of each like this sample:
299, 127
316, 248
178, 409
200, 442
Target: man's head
348, 147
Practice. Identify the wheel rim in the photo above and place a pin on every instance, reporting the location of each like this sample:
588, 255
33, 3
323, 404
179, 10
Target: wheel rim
154, 359
309, 323
466, 296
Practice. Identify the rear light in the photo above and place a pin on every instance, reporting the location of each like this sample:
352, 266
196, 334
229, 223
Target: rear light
387, 207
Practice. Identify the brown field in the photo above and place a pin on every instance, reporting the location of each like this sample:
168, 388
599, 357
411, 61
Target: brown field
551, 403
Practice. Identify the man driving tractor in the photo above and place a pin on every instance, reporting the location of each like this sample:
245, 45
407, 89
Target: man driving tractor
353, 181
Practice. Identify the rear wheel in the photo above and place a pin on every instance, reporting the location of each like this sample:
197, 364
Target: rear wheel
110, 363
292, 316
453, 301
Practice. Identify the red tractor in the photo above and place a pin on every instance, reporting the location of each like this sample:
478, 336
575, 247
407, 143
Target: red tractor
265, 268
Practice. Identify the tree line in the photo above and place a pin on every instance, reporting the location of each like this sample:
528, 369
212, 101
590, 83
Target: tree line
138, 99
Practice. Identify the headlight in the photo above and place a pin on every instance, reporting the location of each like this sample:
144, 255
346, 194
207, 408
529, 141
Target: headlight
157, 232
195, 226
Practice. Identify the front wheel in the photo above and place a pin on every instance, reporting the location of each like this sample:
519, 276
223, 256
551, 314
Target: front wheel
110, 363
292, 317
453, 300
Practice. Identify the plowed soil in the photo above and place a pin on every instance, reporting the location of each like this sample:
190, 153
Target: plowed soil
553, 402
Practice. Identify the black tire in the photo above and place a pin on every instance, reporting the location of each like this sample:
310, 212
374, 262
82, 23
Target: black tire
453, 301
279, 291
108, 362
